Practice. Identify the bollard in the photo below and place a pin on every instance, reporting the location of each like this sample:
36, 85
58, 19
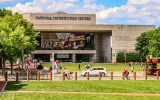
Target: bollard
6, 76
75, 75
145, 75
87, 75
134, 73
157, 75
27, 76
99, 75
122, 75
16, 76
38, 76
50, 76
63, 76
111, 75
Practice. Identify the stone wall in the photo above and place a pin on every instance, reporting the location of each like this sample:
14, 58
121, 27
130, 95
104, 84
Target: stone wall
124, 37
103, 47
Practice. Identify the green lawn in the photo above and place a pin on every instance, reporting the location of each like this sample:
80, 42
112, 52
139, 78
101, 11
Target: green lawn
109, 67
57, 96
114, 86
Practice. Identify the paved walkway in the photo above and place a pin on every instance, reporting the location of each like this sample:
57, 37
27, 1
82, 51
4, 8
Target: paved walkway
136, 94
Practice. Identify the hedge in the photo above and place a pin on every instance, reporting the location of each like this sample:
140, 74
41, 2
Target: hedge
130, 56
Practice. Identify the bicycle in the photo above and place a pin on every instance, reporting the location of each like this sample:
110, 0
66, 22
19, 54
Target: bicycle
69, 76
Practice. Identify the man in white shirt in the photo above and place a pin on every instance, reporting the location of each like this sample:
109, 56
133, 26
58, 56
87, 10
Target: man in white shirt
85, 66
66, 72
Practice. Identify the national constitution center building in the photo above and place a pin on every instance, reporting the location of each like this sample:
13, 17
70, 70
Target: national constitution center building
77, 37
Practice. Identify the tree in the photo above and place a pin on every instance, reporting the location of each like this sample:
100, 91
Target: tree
143, 44
154, 43
17, 36
149, 43
3, 13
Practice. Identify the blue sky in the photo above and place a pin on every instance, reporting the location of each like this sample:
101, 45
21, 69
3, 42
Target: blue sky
134, 12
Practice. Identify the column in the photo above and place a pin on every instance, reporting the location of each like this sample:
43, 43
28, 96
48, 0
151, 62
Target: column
73, 58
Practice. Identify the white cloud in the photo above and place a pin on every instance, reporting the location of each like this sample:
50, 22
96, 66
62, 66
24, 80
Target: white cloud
142, 2
56, 6
70, 0
132, 21
142, 10
8, 1
27, 8
52, 6
146, 11
88, 1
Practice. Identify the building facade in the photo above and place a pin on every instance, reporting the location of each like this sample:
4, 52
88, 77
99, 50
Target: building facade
77, 37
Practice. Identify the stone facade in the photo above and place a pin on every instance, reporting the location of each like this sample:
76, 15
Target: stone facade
45, 18
123, 36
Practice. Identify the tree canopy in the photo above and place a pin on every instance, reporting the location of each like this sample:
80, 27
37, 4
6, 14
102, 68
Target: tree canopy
17, 36
149, 43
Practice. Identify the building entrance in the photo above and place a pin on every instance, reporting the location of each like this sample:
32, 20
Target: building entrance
43, 57
82, 58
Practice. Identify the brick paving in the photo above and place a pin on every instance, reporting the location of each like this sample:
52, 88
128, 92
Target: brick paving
2, 84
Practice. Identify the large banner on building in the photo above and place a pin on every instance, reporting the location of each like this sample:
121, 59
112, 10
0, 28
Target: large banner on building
66, 41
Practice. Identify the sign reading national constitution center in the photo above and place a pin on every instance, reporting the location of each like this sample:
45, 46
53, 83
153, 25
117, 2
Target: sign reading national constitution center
61, 18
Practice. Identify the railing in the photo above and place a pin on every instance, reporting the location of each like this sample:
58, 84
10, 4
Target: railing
46, 75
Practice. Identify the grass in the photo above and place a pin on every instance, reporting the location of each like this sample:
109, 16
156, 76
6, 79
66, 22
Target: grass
115, 86
57, 96
109, 67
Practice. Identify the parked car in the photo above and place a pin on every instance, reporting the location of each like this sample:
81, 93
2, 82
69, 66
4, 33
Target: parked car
95, 71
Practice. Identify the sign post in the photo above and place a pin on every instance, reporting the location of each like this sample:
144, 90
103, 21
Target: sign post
53, 66
125, 56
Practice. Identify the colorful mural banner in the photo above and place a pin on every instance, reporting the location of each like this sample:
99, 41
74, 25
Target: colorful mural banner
63, 40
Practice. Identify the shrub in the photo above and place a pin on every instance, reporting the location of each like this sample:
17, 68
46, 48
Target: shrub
130, 56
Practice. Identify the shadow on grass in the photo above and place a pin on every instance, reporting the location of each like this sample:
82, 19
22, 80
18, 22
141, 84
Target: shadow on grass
15, 85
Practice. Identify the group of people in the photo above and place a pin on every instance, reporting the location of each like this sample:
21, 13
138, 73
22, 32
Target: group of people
87, 67
28, 64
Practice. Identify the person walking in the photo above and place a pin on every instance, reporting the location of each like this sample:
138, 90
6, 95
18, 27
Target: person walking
79, 67
129, 64
35, 63
126, 73
141, 64
132, 68
28, 62
65, 72
88, 66
143, 70
85, 66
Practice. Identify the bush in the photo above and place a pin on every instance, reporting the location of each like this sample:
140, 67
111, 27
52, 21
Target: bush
130, 56
40, 67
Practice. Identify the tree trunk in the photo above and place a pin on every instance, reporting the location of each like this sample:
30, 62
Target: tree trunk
11, 67
0, 63
3, 67
22, 58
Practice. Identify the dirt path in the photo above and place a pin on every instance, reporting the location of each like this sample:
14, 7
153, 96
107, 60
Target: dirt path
135, 94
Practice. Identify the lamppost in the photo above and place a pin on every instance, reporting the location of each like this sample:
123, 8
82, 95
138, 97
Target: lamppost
125, 56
